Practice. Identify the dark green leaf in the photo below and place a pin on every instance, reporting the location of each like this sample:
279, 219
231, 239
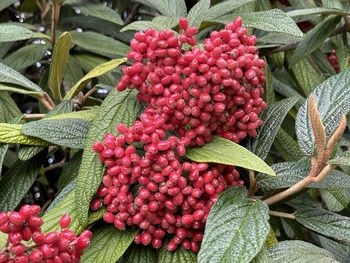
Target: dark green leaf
73, 73
341, 159
332, 98
336, 199
6, 3
27, 152
66, 106
236, 228
140, 254
226, 7
100, 11
3, 150
315, 11
21, 90
8, 108
273, 118
107, 245
324, 222
64, 132
26, 56
70, 170
262, 256
17, 181
159, 23
171, 8
287, 90
339, 251
198, 13
224, 151
58, 64
287, 146
296, 251
10, 33
269, 92
117, 108
179, 256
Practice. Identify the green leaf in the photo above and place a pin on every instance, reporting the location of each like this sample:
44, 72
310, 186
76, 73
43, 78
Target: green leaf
224, 151
296, 251
66, 106
314, 38
87, 115
17, 181
225, 7
287, 146
144, 25
339, 251
180, 255
140, 254
58, 64
27, 152
336, 199
10, 33
315, 11
307, 75
11, 133
324, 222
21, 90
332, 98
70, 170
97, 71
64, 132
262, 256
289, 173
171, 8
236, 228
269, 92
8, 108
341, 159
100, 11
100, 44
9, 75
287, 90
25, 56
273, 118
6, 3
73, 73
198, 13
117, 108
107, 245
3, 150
273, 20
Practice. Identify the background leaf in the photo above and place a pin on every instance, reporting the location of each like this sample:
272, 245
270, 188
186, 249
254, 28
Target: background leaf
140, 254
225, 7
198, 13
10, 32
171, 8
178, 256
102, 12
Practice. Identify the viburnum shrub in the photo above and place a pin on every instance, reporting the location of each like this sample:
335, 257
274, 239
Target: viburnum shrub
26, 242
187, 131
190, 95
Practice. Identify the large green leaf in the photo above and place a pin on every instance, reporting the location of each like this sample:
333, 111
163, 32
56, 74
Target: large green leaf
273, 118
70, 170
159, 23
6, 3
73, 73
171, 8
226, 7
273, 20
289, 173
9, 75
17, 181
100, 11
21, 90
287, 146
11, 133
10, 33
8, 108
140, 254
58, 64
296, 251
332, 98
341, 159
64, 132
117, 108
107, 245
100, 44
179, 256
336, 199
314, 38
314, 11
25, 56
97, 71
324, 222
26, 152
224, 151
198, 13
236, 228
339, 251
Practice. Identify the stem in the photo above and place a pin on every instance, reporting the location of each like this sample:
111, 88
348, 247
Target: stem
34, 116
281, 214
252, 183
56, 7
46, 103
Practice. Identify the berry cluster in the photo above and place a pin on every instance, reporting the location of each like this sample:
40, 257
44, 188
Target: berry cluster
190, 96
25, 225
333, 60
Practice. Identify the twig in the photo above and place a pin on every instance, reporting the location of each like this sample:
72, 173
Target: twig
46, 103
34, 116
282, 214
252, 183
56, 7
55, 166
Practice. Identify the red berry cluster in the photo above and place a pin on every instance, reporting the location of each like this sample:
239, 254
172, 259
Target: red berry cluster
333, 60
190, 95
54, 247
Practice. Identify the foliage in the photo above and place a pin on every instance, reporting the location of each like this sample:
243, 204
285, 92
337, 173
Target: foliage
60, 62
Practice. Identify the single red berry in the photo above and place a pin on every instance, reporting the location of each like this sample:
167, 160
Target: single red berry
65, 221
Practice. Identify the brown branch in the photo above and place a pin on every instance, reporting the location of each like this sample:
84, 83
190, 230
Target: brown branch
282, 214
252, 183
47, 104
56, 7
34, 116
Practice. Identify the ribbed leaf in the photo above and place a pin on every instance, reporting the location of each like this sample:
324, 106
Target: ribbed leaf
224, 151
296, 251
314, 38
87, 115
140, 254
273, 20
58, 64
21, 90
287, 146
315, 11
171, 8
10, 33
118, 107
100, 11
70, 170
332, 98
273, 118
167, 23
107, 245
26, 152
236, 228
336, 199
25, 56
97, 71
3, 150
64, 132
179, 256
8, 108
341, 159
198, 13
17, 181
73, 73
324, 222
100, 44
10, 76
6, 3
339, 251
226, 7
289, 173
11, 133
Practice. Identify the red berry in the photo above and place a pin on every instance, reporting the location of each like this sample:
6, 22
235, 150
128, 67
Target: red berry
65, 221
